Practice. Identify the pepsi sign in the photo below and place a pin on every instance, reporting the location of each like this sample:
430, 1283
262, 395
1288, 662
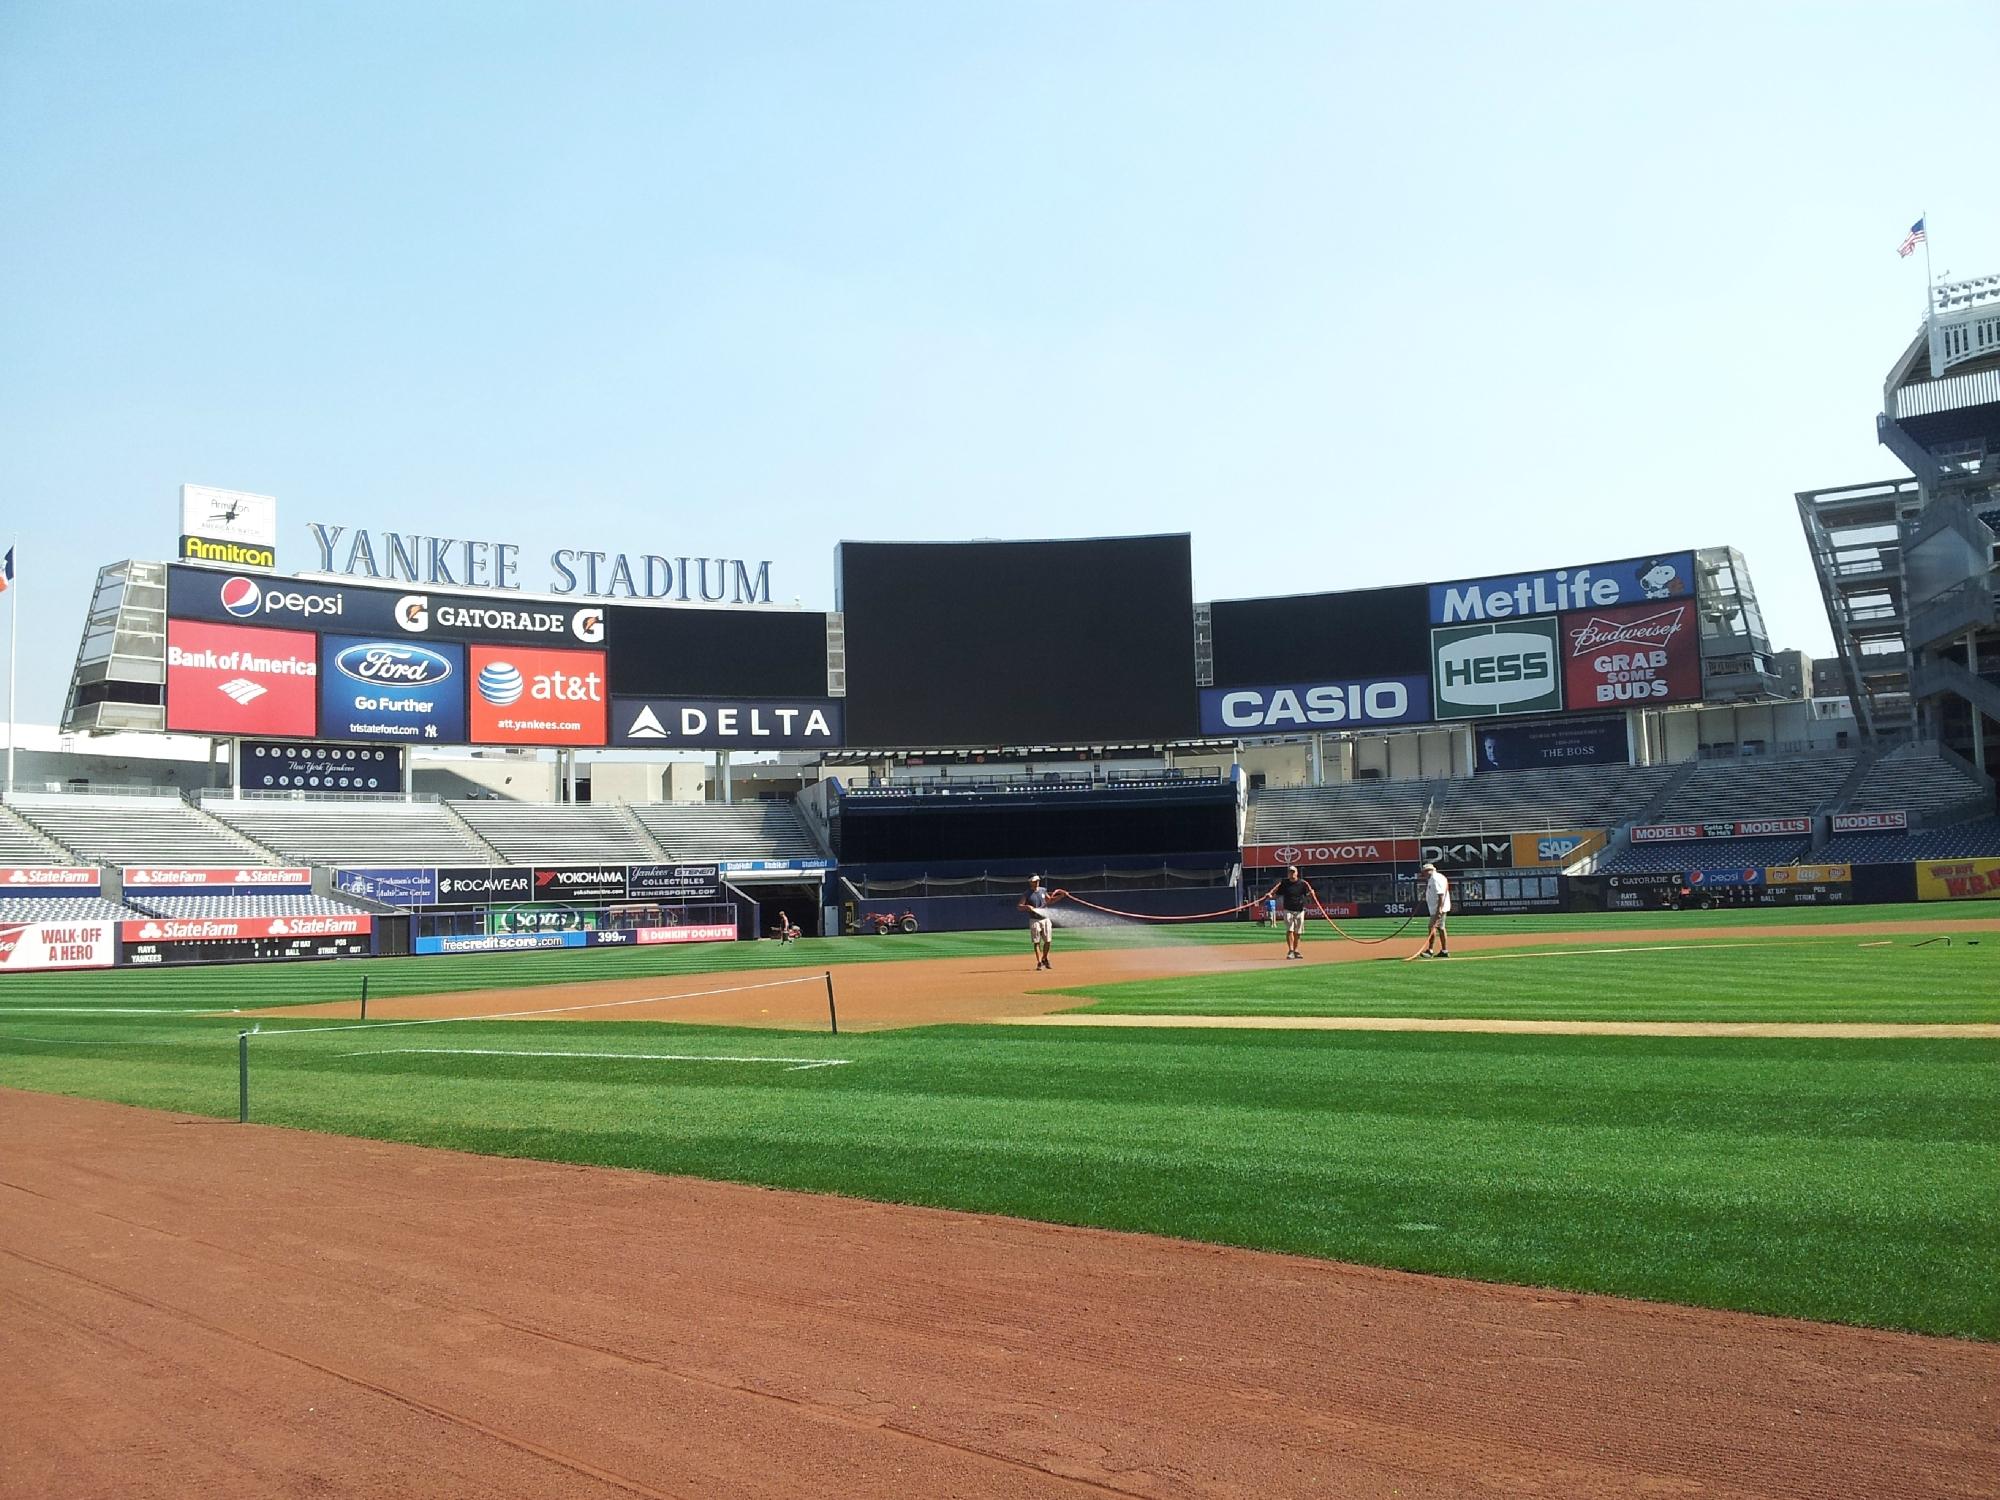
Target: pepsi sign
375, 689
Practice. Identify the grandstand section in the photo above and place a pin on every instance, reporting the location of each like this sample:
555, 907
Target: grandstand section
1597, 796
1777, 786
63, 909
1707, 854
21, 843
352, 832
136, 830
729, 831
1347, 809
529, 833
1975, 840
1919, 780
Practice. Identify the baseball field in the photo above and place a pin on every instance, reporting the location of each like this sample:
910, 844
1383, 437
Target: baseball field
1700, 1203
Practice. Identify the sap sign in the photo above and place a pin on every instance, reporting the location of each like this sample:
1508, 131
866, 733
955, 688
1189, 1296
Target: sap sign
1634, 580
1317, 705
1482, 670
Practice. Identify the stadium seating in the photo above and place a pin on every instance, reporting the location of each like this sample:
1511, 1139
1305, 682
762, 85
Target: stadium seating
539, 833
1916, 779
706, 831
1975, 840
63, 909
1343, 809
1556, 797
1780, 786
1709, 854
241, 906
136, 830
21, 844
349, 832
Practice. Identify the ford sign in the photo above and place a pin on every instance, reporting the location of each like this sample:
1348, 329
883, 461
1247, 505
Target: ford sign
392, 664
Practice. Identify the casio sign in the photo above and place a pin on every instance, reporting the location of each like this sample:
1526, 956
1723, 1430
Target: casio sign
1389, 700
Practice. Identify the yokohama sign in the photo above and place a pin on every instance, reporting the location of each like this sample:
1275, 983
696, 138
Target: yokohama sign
223, 929
1748, 828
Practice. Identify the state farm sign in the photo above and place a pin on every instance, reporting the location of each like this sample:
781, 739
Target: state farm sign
246, 877
222, 929
24, 878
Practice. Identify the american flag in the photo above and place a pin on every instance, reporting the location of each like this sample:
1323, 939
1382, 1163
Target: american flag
6, 570
1913, 239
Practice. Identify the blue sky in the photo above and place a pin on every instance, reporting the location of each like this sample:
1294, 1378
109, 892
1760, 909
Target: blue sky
1357, 295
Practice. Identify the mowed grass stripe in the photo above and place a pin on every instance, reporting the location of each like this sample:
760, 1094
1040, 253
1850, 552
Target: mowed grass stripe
1805, 979
1838, 1180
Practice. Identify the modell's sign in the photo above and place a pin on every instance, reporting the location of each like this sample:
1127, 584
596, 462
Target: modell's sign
1871, 822
209, 877
1749, 828
21, 880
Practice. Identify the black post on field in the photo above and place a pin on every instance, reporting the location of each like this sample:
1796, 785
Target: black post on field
364, 997
242, 1077
832, 1016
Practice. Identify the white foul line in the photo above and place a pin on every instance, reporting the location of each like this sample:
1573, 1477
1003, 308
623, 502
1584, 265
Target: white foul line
798, 1064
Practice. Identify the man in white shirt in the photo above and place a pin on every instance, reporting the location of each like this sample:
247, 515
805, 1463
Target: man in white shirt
1437, 898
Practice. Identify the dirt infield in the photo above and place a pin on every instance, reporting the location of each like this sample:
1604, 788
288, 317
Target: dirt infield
194, 1308
925, 992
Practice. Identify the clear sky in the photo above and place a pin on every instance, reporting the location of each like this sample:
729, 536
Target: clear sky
1355, 294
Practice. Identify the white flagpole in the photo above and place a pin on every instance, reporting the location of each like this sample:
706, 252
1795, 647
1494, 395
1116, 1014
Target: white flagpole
13, 652
1930, 281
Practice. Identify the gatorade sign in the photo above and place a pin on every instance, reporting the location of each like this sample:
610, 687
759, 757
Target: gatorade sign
1485, 671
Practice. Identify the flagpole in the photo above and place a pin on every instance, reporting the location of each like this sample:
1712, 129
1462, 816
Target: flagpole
1930, 281
13, 653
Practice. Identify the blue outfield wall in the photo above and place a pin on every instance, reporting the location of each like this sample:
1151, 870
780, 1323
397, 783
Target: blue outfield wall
985, 913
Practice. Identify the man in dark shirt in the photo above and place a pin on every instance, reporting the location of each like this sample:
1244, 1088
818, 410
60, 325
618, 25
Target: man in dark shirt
1293, 894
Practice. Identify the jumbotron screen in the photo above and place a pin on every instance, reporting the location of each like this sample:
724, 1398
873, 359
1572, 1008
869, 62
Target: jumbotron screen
1018, 643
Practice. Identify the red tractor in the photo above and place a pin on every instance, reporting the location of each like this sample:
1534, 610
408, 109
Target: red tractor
882, 923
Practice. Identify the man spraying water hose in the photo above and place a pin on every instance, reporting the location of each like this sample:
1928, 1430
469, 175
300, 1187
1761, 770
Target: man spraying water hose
1292, 894
1036, 904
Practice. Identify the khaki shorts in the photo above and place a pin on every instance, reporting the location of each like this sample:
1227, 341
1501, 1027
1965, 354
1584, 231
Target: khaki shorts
1442, 909
1295, 921
1038, 929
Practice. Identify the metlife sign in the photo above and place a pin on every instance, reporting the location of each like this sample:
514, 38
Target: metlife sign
1487, 671
727, 723
1632, 580
1315, 705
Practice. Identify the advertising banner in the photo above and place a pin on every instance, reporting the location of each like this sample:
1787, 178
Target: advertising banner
484, 885
31, 880
1655, 890
1343, 852
527, 696
681, 884
1484, 851
56, 945
579, 882
1808, 874
1508, 891
543, 919
1632, 580
1315, 705
1958, 879
1556, 850
1483, 671
401, 885
217, 878
1749, 828
376, 689
727, 723
290, 766
499, 942
715, 932
774, 866
228, 679
221, 929
216, 595
229, 526
1560, 742
1727, 875
1871, 822
1639, 656
260, 949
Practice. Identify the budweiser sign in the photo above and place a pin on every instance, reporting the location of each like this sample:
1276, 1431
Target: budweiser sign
1599, 634
1641, 654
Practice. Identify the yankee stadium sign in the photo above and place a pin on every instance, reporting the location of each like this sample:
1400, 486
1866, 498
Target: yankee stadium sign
460, 562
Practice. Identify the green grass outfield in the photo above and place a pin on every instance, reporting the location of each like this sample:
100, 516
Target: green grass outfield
1846, 1180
